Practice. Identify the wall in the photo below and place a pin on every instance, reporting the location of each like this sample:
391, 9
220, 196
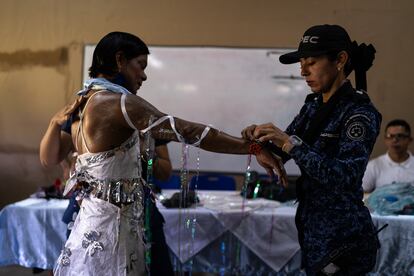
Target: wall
42, 43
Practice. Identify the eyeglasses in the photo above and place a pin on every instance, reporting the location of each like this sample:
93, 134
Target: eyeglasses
397, 136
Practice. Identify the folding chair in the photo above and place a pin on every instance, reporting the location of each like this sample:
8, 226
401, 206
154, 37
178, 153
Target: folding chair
172, 183
213, 182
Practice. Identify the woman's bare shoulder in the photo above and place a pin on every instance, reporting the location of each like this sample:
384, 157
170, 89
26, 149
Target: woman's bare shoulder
104, 105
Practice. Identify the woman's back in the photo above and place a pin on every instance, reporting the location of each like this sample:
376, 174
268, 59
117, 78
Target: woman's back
103, 125
107, 236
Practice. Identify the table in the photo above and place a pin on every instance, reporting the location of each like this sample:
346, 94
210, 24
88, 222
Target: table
32, 232
232, 233
257, 237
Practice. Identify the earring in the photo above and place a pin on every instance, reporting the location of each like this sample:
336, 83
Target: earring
339, 68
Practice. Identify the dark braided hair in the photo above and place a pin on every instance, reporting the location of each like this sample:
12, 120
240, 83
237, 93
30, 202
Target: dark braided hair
360, 59
104, 55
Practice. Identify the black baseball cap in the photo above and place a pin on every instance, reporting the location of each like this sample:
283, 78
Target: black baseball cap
319, 40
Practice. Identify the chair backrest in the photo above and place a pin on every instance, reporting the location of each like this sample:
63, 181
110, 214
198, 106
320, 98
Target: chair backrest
213, 182
172, 183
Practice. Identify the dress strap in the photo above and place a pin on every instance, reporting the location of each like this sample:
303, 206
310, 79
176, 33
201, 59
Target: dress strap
129, 122
171, 119
156, 123
124, 112
80, 126
180, 138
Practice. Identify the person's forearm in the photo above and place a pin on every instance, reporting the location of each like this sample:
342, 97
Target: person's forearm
140, 111
215, 140
50, 145
221, 142
162, 169
54, 146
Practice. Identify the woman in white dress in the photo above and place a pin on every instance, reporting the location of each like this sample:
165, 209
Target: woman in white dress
108, 235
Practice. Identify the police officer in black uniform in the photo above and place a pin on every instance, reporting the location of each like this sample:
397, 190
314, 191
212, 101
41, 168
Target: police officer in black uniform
330, 140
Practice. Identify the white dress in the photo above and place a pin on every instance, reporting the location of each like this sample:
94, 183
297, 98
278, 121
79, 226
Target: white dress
108, 235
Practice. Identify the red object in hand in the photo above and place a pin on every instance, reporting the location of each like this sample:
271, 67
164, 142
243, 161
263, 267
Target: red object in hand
57, 184
255, 148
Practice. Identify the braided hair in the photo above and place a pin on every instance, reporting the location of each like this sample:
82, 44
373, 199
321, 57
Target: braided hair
361, 57
104, 55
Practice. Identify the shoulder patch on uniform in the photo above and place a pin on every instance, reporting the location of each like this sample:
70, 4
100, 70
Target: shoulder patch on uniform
356, 131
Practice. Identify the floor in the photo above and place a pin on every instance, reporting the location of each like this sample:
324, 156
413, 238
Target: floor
20, 271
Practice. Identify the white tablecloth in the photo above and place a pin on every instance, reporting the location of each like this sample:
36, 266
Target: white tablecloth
266, 230
32, 234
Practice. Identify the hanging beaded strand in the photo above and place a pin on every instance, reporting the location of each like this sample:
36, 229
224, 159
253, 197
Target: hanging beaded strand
149, 153
183, 193
247, 179
191, 220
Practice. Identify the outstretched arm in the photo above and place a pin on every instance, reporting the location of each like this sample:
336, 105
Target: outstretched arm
140, 112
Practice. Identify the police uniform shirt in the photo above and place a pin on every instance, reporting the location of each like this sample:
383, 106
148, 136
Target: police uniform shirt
383, 171
330, 197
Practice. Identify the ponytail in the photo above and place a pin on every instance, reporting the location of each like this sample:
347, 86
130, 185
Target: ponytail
362, 57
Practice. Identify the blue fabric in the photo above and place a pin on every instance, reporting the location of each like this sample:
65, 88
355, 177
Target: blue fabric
32, 233
101, 83
67, 126
70, 213
393, 199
